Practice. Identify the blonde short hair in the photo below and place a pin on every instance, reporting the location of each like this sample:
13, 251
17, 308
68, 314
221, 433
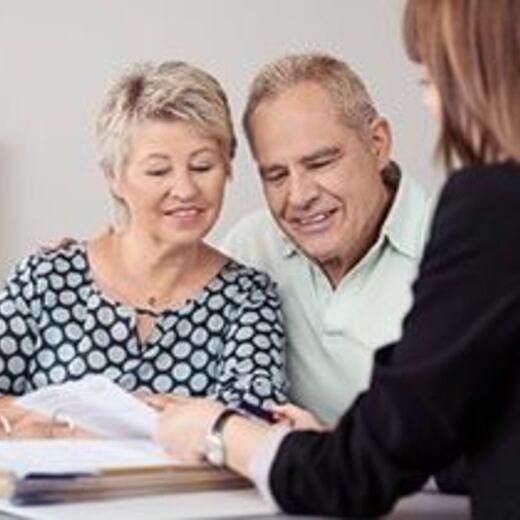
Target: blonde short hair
170, 91
355, 106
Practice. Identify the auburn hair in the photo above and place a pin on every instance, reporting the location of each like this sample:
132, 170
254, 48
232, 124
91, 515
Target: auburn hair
471, 49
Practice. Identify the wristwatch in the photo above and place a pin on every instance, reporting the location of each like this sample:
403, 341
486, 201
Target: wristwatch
215, 452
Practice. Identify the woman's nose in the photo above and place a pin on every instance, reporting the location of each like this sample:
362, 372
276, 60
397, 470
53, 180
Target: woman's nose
184, 187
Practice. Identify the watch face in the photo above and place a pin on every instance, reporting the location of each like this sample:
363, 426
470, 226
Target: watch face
215, 449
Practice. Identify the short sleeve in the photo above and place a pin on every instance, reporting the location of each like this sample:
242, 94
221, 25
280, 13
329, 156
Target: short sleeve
251, 367
18, 307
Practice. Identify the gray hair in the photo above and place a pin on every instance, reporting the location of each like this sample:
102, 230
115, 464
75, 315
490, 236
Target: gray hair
355, 106
171, 90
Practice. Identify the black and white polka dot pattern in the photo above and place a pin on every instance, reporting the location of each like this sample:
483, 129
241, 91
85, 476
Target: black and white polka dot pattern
56, 325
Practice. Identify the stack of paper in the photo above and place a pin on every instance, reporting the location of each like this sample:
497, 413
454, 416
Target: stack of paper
123, 462
46, 471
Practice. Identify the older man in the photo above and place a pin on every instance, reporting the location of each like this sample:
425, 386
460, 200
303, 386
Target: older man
347, 228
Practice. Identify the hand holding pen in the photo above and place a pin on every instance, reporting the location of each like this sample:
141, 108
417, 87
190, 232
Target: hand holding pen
295, 417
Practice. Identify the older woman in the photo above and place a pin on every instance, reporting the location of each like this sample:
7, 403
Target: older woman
149, 305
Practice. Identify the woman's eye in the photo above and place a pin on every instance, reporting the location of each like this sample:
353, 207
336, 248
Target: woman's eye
159, 172
201, 167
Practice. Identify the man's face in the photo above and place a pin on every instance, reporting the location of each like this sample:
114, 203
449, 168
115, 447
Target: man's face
322, 181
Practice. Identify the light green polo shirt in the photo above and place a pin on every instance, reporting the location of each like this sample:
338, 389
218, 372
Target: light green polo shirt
333, 333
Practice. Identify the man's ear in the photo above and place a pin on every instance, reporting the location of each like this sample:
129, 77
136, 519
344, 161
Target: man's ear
380, 140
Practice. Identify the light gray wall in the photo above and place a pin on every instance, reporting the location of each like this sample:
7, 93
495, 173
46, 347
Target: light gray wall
57, 55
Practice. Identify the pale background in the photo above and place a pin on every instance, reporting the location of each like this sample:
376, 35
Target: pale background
56, 57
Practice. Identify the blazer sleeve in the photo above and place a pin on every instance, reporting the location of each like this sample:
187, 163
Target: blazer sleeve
432, 391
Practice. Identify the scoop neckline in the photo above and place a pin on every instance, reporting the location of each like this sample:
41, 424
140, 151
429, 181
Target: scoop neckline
198, 294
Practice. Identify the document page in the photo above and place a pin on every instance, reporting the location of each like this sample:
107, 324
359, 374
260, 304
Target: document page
97, 404
79, 456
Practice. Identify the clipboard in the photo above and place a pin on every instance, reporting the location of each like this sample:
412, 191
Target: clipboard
46, 482
34, 489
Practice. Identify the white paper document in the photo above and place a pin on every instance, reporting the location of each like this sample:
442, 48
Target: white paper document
96, 404
58, 456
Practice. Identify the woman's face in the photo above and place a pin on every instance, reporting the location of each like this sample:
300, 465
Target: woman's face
173, 182
430, 93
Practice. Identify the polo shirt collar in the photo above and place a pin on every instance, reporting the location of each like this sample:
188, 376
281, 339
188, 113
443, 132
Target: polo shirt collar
402, 226
289, 247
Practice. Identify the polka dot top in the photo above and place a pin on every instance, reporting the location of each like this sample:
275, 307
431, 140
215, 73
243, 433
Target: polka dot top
56, 325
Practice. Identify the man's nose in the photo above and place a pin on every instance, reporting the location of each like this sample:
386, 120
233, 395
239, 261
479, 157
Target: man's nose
303, 190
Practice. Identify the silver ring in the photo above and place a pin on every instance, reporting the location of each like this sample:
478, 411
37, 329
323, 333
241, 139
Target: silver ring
59, 419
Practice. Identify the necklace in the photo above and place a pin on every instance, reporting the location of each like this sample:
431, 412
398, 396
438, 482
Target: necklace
141, 311
149, 310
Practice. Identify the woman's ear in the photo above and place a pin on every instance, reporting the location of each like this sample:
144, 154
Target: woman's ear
380, 138
113, 182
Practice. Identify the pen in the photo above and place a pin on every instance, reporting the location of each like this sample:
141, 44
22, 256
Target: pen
257, 411
57, 476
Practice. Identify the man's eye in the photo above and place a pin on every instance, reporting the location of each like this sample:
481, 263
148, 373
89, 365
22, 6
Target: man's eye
322, 163
159, 172
274, 176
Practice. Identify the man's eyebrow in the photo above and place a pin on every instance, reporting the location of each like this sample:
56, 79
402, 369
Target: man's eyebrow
328, 151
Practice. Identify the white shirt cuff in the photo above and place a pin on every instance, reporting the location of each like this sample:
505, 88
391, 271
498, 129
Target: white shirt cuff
261, 462
431, 485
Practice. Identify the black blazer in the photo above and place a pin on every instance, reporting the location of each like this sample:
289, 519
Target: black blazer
450, 386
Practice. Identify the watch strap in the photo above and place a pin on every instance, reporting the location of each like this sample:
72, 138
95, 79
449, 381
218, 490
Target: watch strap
221, 420
215, 449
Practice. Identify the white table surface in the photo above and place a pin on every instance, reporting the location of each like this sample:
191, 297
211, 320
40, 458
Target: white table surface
220, 504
